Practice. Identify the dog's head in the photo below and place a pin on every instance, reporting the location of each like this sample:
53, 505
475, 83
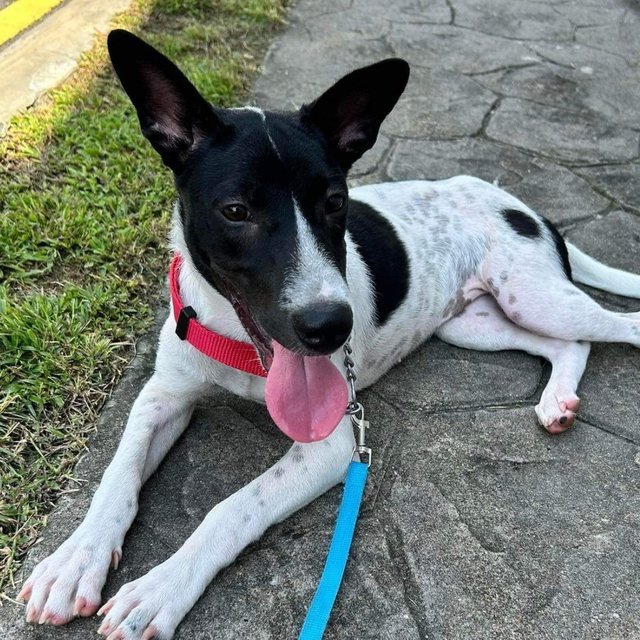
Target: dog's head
263, 195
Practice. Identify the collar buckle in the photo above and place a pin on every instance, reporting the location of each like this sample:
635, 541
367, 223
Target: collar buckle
182, 324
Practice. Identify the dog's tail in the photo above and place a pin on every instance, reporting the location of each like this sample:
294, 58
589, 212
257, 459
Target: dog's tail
589, 271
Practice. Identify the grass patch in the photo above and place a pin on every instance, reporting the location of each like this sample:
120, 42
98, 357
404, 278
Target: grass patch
84, 212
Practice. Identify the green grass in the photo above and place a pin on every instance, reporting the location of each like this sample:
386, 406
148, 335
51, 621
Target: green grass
84, 211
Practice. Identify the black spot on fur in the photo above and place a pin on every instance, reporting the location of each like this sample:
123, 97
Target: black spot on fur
494, 290
521, 223
384, 255
561, 248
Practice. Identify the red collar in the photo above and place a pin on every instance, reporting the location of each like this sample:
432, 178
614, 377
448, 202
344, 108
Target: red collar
233, 353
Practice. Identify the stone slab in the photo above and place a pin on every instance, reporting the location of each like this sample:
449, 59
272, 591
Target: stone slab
438, 104
550, 189
585, 86
438, 376
529, 536
557, 132
514, 21
617, 181
449, 47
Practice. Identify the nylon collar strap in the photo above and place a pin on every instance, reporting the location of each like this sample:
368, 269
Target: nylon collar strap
232, 353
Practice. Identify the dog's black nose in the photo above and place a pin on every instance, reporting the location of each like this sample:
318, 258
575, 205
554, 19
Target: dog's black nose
323, 327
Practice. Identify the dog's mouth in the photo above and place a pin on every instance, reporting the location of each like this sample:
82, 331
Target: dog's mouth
256, 333
306, 396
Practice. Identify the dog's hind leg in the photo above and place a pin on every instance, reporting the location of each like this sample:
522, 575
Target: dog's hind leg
68, 583
534, 292
483, 326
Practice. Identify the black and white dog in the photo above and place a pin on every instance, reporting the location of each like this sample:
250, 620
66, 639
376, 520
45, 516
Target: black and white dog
275, 252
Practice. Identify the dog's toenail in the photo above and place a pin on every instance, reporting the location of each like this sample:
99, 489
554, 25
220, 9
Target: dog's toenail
563, 419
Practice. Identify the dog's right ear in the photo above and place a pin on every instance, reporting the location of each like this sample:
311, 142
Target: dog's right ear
173, 116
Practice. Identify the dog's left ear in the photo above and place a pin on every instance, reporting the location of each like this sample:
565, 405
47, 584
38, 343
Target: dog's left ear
350, 113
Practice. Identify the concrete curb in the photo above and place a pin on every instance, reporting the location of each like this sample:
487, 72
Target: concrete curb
42, 57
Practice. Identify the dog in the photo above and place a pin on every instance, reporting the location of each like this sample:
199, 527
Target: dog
281, 265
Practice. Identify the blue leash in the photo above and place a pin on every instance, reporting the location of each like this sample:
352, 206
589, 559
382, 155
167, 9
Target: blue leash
325, 596
320, 609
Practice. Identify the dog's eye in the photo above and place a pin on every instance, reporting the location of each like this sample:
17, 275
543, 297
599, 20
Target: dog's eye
235, 212
334, 203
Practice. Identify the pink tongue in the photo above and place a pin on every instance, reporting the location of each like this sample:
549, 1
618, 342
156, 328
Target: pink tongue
306, 397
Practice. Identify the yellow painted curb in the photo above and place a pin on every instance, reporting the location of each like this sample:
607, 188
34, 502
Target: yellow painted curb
21, 14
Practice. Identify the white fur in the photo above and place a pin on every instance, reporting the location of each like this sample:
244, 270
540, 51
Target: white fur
474, 282
263, 117
588, 271
314, 279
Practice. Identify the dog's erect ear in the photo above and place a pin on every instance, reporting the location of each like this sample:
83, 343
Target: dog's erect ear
350, 113
173, 116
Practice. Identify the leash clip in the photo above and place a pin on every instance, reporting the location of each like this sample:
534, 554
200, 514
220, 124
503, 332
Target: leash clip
361, 453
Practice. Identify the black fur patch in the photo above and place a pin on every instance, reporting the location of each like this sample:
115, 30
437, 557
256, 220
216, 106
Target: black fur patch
521, 223
561, 248
383, 254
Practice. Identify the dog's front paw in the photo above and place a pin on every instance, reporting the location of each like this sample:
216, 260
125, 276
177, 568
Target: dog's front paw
557, 413
151, 606
68, 583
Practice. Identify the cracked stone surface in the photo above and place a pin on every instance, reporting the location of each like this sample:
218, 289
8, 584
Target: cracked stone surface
439, 105
562, 133
619, 182
476, 523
